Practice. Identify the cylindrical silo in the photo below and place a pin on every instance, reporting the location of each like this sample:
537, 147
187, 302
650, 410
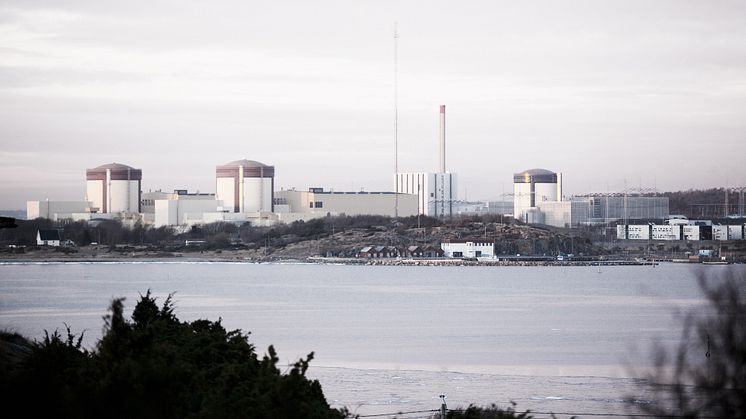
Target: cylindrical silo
114, 188
245, 186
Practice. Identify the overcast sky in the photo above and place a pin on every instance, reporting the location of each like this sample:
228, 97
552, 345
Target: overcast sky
650, 93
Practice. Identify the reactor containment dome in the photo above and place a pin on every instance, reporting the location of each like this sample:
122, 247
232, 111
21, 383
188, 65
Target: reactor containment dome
245, 186
114, 188
532, 187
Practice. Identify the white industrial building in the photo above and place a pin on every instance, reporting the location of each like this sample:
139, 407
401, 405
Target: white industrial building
55, 210
436, 192
113, 188
563, 213
532, 188
468, 248
318, 202
673, 232
245, 186
177, 208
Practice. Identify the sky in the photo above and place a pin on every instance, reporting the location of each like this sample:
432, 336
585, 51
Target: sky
613, 94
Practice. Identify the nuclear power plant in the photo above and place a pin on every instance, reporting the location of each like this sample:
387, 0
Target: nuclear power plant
245, 192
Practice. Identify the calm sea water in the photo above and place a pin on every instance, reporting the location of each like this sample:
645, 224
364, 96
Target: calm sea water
388, 339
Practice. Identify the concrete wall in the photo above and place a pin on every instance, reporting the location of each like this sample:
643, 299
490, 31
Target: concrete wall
95, 194
542, 194
257, 194
225, 191
121, 195
182, 212
54, 210
124, 196
349, 203
436, 192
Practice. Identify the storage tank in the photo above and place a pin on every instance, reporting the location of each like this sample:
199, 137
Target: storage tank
245, 186
532, 187
114, 187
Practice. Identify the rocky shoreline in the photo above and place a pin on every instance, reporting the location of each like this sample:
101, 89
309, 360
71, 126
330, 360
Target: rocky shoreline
44, 256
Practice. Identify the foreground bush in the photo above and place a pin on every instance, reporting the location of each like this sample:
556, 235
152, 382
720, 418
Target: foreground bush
156, 366
705, 376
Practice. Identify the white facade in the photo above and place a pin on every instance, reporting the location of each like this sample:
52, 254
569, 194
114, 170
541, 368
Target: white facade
113, 188
735, 232
53, 240
690, 232
666, 232
254, 194
172, 212
55, 210
720, 232
245, 186
468, 249
638, 232
621, 232
566, 214
436, 192
317, 201
532, 188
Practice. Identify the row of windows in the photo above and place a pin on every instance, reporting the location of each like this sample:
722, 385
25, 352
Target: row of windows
317, 204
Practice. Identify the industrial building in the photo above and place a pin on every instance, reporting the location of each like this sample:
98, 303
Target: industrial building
113, 188
532, 188
318, 202
567, 214
436, 192
537, 199
176, 208
606, 208
673, 232
245, 186
468, 248
55, 210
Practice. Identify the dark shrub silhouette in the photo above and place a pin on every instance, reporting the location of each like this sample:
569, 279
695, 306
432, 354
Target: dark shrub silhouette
156, 366
705, 376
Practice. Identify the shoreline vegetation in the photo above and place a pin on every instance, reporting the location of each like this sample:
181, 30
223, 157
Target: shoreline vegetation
155, 365
340, 239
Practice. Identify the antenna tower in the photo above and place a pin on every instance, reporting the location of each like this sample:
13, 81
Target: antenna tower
396, 121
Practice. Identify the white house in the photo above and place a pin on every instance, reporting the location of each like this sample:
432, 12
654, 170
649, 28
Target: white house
48, 238
468, 248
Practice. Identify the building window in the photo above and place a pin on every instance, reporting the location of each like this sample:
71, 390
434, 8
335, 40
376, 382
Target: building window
458, 254
310, 205
318, 204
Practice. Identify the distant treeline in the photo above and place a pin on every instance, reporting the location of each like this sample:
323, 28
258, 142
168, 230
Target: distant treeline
702, 203
215, 235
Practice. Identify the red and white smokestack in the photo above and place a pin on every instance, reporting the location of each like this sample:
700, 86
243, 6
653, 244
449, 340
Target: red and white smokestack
442, 138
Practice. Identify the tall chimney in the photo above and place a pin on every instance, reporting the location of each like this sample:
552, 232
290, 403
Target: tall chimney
442, 138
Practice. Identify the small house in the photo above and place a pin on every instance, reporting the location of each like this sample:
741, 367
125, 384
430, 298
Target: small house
432, 252
48, 238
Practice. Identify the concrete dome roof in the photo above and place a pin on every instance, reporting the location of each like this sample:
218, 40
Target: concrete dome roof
535, 172
535, 176
245, 163
113, 166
